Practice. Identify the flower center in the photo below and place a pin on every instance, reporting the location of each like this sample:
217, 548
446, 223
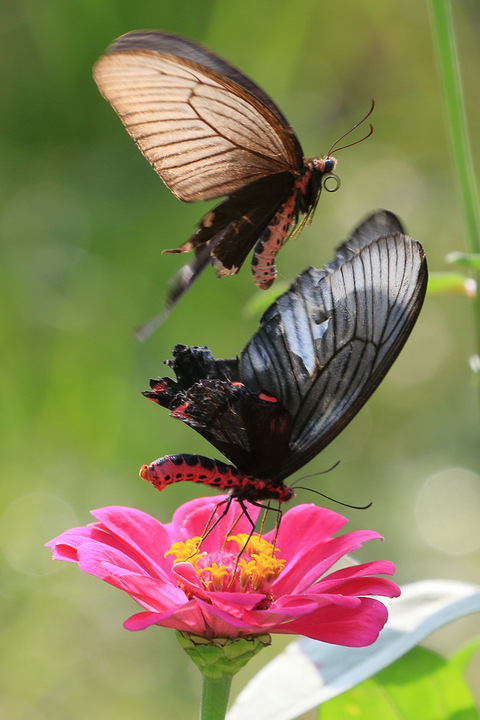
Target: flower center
246, 563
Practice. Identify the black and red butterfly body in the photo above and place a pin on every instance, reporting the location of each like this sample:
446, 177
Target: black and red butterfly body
322, 349
196, 468
209, 131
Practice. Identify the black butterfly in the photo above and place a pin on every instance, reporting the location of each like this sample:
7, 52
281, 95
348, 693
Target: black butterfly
321, 350
209, 131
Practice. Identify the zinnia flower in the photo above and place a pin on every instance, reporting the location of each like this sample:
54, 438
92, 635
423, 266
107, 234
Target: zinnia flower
214, 590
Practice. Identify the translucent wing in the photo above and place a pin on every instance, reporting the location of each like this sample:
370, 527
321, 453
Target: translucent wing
183, 48
206, 129
326, 344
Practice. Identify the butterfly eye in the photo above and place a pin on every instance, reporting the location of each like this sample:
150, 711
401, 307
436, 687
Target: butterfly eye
329, 166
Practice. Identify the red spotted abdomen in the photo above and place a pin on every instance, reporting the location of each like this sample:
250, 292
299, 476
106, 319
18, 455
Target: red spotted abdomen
277, 233
196, 468
193, 468
271, 240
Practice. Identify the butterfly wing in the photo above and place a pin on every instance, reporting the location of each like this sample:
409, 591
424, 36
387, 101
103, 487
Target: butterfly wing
326, 344
181, 47
206, 129
208, 396
376, 225
247, 428
234, 225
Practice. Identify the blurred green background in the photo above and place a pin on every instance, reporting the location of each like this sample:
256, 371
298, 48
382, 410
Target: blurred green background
83, 221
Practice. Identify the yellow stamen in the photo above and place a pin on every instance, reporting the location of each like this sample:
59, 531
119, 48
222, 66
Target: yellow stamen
254, 570
262, 565
256, 544
217, 573
186, 551
245, 570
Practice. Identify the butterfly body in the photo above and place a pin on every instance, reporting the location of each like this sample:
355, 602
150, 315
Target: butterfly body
214, 473
322, 349
301, 201
209, 131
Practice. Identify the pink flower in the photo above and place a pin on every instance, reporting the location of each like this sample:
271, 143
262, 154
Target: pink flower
212, 592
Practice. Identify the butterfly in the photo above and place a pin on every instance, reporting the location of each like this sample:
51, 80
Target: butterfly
321, 350
210, 131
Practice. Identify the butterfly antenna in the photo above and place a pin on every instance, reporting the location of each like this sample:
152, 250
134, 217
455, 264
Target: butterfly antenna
321, 472
336, 149
327, 497
334, 500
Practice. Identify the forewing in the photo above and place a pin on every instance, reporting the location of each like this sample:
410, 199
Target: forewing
376, 225
181, 47
327, 343
205, 133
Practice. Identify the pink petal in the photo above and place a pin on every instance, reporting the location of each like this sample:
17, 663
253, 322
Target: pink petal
145, 536
362, 581
381, 567
314, 601
93, 557
235, 602
305, 570
186, 575
188, 618
151, 594
65, 546
353, 627
305, 526
190, 520
227, 624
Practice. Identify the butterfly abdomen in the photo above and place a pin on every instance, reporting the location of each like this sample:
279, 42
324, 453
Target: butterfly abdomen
196, 468
271, 240
302, 201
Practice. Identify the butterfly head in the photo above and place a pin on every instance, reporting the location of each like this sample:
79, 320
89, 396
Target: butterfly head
325, 165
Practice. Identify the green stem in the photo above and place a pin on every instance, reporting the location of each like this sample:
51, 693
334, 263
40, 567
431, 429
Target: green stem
215, 694
218, 659
444, 40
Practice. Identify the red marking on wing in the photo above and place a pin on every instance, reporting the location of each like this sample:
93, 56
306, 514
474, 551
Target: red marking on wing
180, 411
158, 387
267, 398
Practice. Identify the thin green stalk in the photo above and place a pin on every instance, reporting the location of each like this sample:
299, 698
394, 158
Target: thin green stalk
449, 71
215, 694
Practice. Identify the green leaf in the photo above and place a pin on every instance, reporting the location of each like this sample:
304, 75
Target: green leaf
471, 260
462, 657
419, 686
443, 283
